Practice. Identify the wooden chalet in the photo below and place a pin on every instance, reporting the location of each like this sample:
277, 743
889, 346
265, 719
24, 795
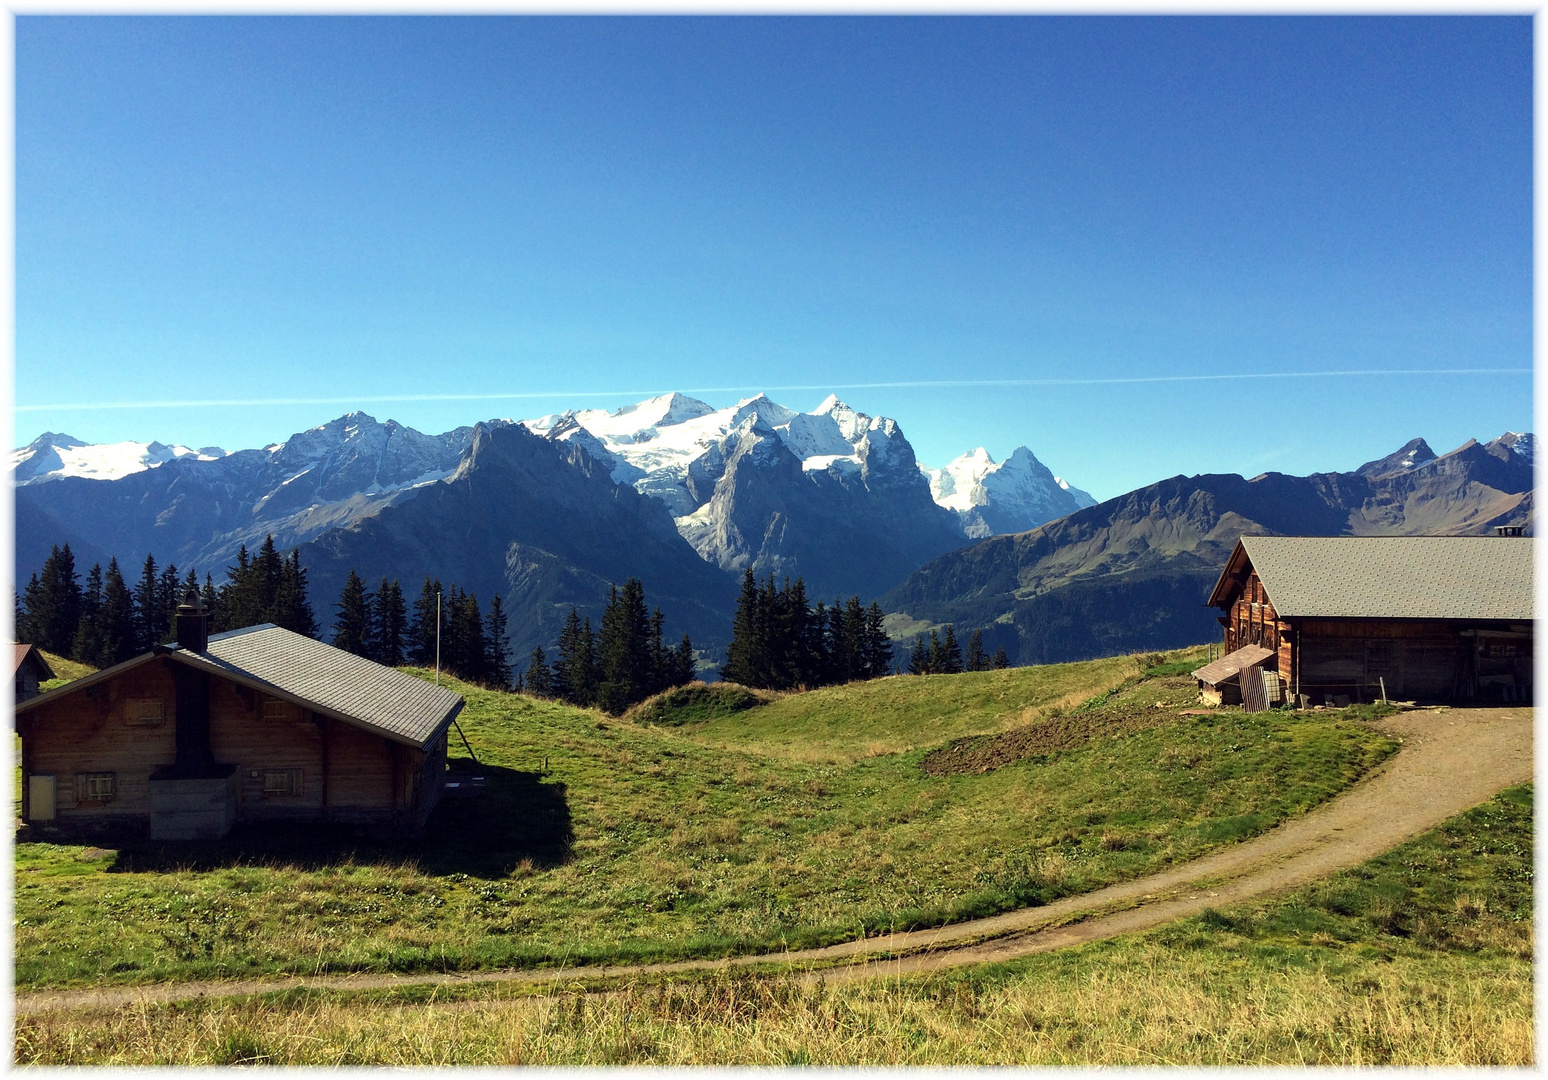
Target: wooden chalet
31, 671
1436, 618
254, 725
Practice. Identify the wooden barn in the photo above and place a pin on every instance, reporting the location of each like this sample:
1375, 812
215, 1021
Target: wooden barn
31, 671
1426, 618
254, 725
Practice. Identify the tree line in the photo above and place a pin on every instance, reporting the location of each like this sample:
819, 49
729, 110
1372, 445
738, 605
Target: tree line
943, 656
106, 621
780, 642
624, 664
473, 646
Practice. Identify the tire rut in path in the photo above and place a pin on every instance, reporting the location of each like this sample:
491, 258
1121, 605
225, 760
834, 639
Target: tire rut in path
1450, 761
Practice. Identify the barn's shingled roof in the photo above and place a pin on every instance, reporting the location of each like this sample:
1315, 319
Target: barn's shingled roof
308, 673
1387, 577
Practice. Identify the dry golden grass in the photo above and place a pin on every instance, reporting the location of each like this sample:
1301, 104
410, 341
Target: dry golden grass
1135, 1004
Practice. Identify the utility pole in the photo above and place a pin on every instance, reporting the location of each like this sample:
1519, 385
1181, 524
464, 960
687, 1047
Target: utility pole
438, 637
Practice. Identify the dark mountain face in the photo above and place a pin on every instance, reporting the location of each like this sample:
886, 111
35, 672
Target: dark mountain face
1117, 577
197, 513
542, 525
843, 530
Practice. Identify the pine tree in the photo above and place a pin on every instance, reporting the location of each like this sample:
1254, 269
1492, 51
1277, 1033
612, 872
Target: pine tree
623, 655
86, 646
147, 610
684, 666
1000, 659
290, 608
352, 626
213, 608
115, 621
538, 681
168, 596
878, 646
934, 655
423, 632
951, 654
53, 603
575, 676
976, 660
389, 624
744, 656
498, 642
918, 659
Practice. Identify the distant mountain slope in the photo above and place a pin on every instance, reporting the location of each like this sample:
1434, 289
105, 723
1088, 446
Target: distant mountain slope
196, 511
53, 457
542, 525
1132, 573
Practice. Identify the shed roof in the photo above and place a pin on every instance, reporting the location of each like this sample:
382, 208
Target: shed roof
311, 674
1232, 664
1386, 577
30, 654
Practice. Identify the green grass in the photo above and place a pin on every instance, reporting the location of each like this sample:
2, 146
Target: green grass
1419, 957
887, 716
64, 670
641, 843
696, 702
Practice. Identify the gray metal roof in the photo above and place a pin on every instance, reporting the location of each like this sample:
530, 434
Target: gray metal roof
1394, 577
1232, 664
331, 681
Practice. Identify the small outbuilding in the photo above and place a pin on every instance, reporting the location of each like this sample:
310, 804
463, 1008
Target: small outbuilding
1434, 618
254, 725
31, 671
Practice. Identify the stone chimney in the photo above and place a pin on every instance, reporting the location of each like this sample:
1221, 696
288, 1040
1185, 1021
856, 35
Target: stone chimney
193, 623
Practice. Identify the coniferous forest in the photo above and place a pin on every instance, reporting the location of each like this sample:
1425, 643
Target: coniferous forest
780, 642
107, 621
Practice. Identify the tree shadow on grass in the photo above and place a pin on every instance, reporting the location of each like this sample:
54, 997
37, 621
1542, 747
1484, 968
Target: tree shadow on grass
485, 832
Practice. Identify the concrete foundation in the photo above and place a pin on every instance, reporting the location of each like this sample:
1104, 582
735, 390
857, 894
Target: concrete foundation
186, 809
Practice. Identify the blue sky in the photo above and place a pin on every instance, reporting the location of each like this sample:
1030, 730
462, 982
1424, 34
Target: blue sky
587, 210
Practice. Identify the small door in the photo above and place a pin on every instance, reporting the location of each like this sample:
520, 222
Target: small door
40, 798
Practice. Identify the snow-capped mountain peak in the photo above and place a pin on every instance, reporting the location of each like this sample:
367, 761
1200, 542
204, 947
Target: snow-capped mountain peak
1010, 496
54, 456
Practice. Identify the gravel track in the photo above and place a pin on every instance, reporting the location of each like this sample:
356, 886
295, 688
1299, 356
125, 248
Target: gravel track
1450, 760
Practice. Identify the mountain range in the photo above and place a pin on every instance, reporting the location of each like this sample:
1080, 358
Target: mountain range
833, 496
546, 513
1132, 573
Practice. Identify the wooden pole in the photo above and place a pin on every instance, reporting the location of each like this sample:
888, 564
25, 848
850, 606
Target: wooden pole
438, 639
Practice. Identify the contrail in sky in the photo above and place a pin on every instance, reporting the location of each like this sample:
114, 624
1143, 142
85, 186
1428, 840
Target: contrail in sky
934, 384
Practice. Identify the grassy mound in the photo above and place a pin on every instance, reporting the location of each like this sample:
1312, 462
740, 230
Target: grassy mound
696, 702
599, 839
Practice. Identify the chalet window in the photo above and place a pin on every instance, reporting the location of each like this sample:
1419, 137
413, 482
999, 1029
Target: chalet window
145, 712
280, 783
99, 787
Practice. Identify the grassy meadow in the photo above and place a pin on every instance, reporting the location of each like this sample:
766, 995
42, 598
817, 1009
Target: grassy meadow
1419, 957
599, 839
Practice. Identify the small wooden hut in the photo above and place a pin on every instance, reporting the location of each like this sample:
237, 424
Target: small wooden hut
31, 671
1436, 618
254, 725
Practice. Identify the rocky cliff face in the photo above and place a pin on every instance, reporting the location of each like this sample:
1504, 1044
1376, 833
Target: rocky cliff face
833, 496
1132, 573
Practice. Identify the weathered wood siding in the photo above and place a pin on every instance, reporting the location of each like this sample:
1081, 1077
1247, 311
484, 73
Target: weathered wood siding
81, 735
338, 772
1251, 619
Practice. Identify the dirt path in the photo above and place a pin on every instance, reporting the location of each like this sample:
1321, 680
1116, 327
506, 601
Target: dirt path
1450, 760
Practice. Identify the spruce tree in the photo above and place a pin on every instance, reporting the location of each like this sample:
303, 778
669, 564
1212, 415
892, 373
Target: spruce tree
54, 603
951, 653
623, 655
498, 642
575, 674
538, 681
115, 621
878, 646
422, 634
389, 624
976, 660
168, 595
290, 607
918, 659
214, 610
1000, 659
351, 628
743, 655
86, 646
684, 666
934, 657
147, 608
